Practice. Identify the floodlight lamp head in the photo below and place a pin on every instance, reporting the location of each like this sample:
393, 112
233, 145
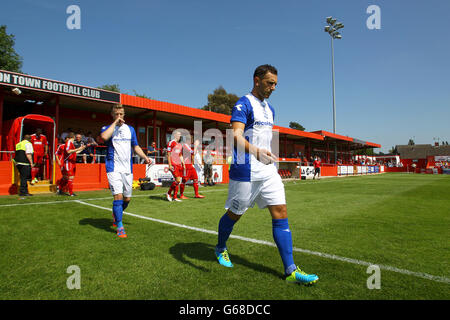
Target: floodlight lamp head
329, 19
338, 36
333, 21
327, 28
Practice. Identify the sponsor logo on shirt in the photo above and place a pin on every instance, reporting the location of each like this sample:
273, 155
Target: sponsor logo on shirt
263, 123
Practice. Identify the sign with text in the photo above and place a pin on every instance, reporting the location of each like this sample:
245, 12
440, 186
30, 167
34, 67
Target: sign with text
160, 172
35, 83
349, 169
307, 172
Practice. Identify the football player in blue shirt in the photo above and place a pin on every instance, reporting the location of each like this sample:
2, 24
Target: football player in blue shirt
121, 142
253, 175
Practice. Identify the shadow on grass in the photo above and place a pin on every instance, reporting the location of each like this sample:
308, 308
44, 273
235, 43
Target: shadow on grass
103, 223
205, 252
160, 198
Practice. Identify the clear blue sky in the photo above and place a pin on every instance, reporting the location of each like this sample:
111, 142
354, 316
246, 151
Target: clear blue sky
392, 84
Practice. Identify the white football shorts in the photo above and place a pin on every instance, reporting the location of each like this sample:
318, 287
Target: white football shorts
120, 183
244, 194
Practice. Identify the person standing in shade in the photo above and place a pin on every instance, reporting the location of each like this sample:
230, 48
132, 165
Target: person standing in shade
198, 161
208, 160
23, 160
40, 148
152, 151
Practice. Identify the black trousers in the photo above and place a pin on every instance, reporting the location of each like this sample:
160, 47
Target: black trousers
25, 175
207, 171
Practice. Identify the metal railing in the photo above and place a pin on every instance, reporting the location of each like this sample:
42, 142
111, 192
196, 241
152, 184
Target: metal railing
7, 155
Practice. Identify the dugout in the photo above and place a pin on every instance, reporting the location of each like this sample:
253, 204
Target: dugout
86, 108
28, 124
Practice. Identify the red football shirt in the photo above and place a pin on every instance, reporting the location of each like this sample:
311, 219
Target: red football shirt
60, 152
39, 143
72, 158
187, 155
175, 149
316, 164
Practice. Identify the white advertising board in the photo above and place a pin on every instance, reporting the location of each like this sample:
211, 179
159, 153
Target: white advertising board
160, 172
307, 172
349, 169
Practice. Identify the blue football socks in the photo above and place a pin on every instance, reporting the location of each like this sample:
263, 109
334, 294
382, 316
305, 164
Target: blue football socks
283, 239
225, 227
118, 212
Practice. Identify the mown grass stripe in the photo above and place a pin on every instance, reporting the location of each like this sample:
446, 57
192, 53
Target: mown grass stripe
271, 244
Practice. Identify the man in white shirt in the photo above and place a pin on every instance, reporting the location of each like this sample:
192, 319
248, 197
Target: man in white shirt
121, 141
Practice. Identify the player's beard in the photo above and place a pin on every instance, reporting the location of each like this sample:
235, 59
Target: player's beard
267, 94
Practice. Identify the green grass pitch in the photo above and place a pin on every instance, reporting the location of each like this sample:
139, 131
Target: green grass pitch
339, 227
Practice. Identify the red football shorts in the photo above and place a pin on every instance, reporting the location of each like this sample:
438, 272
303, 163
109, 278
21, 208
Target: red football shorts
190, 173
177, 171
69, 169
38, 158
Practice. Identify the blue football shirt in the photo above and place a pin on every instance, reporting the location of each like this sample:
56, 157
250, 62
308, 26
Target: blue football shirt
119, 152
258, 117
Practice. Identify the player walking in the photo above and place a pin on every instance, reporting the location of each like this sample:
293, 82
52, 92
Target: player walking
254, 176
59, 156
176, 164
316, 165
69, 165
121, 141
40, 147
189, 171
198, 160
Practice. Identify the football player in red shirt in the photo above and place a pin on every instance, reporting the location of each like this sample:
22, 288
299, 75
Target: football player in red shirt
316, 165
176, 164
69, 164
40, 147
59, 156
189, 172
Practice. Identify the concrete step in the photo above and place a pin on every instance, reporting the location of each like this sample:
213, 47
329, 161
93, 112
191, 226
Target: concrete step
43, 186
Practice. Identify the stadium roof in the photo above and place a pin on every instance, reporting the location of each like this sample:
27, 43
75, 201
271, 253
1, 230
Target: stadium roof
89, 98
357, 143
421, 151
171, 108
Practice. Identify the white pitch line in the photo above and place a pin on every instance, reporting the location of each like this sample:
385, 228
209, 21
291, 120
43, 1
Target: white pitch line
93, 199
271, 244
134, 196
